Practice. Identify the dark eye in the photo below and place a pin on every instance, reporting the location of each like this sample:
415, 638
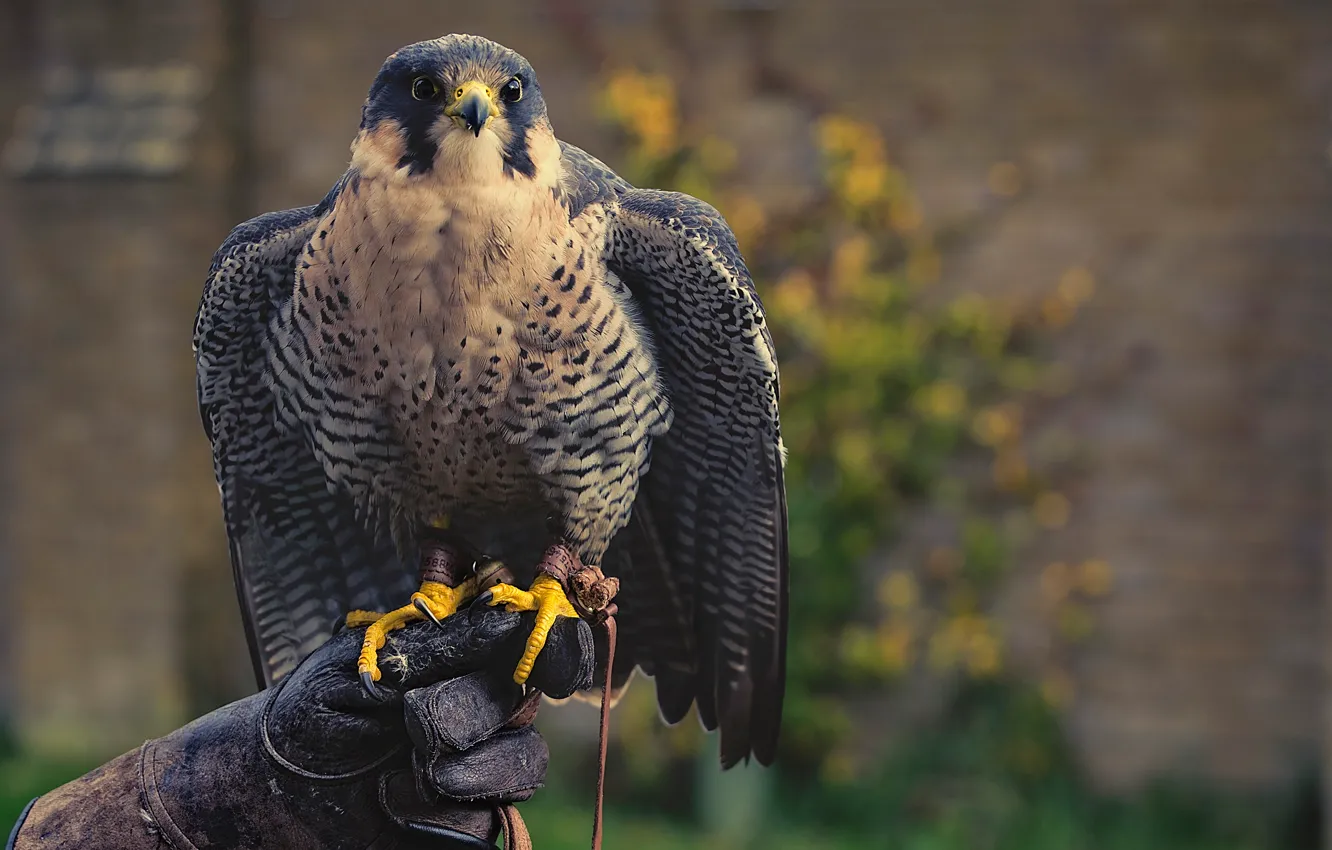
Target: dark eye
512, 91
424, 88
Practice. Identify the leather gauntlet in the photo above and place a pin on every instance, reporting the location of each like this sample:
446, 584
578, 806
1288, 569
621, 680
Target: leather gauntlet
316, 763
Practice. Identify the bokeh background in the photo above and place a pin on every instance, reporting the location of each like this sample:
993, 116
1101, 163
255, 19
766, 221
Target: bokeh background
1049, 281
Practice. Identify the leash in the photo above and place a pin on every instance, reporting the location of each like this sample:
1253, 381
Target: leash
592, 594
603, 735
516, 835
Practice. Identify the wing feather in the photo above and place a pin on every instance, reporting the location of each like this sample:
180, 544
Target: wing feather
715, 490
300, 555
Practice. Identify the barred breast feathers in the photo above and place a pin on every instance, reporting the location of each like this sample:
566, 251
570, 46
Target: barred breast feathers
479, 310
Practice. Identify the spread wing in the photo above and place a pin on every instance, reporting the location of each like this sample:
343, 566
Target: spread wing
709, 531
300, 554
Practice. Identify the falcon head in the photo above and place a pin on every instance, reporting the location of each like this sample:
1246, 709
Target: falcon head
459, 108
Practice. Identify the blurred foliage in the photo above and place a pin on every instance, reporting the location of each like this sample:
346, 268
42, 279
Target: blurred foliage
898, 400
889, 387
22, 778
994, 774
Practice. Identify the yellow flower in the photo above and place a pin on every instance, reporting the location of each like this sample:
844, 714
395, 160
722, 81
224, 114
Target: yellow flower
863, 183
867, 147
832, 133
655, 122
1056, 312
1076, 285
1055, 583
746, 217
943, 652
717, 155
942, 401
854, 451
923, 262
983, 656
894, 643
898, 591
997, 424
859, 648
1095, 577
841, 136
622, 91
850, 259
1010, 469
962, 600
1051, 510
904, 215
838, 768
1075, 622
969, 310
645, 106
794, 295
1057, 689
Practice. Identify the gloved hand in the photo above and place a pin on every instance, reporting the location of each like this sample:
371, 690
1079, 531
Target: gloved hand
318, 763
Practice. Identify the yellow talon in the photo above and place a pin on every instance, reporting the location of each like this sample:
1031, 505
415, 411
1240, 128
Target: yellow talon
440, 600
359, 618
377, 633
546, 597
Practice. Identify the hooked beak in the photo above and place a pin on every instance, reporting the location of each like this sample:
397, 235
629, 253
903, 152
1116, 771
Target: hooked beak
472, 106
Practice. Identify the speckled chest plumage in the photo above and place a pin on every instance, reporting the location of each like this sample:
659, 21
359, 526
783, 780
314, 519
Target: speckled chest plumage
470, 356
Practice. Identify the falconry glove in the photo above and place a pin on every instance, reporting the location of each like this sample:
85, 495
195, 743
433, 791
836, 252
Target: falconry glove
317, 763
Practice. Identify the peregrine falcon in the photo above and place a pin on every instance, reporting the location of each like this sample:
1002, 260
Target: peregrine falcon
484, 329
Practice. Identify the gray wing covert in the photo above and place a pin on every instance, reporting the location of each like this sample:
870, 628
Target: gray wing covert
301, 556
714, 496
587, 180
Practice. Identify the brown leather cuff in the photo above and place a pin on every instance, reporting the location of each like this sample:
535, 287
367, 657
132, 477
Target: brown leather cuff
211, 784
103, 808
588, 589
205, 785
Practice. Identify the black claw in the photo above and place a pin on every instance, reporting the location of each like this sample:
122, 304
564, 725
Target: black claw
426, 612
368, 682
479, 604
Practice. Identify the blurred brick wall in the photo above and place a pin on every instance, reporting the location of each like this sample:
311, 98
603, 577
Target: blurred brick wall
1177, 150
13, 60
111, 495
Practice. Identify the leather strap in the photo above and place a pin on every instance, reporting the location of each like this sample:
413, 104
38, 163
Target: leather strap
604, 734
592, 594
516, 836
